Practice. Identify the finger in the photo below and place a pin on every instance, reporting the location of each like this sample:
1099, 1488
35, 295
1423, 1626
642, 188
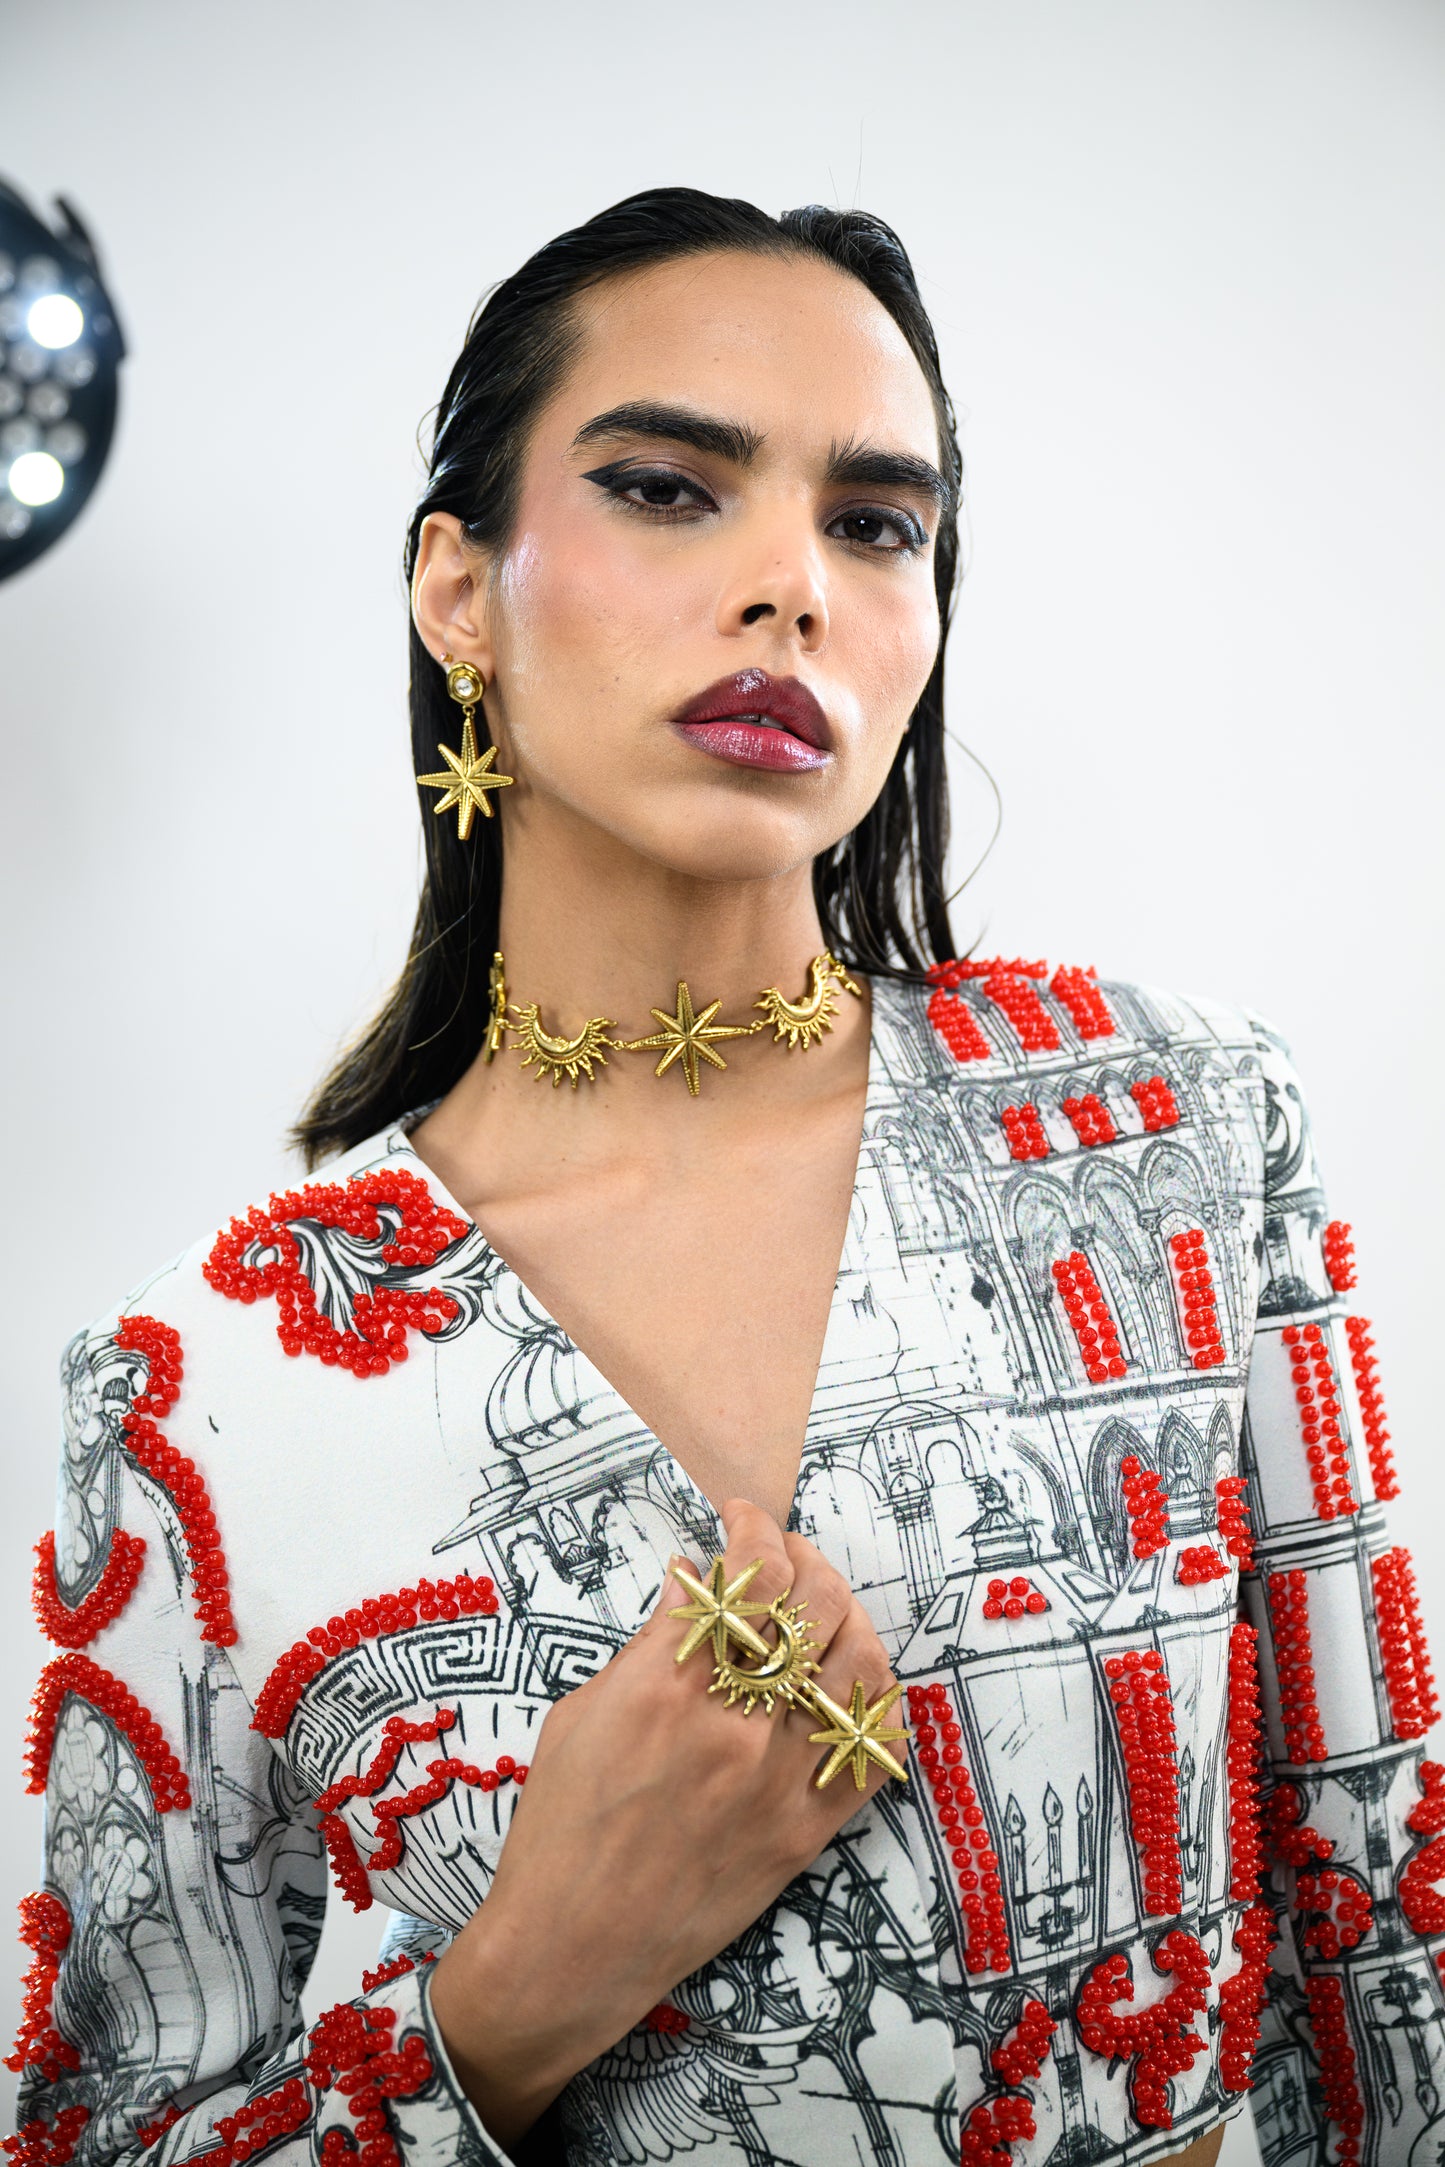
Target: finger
754, 1537
671, 1593
857, 1656
819, 1588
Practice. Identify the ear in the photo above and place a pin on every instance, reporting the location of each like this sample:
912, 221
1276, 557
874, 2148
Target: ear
448, 597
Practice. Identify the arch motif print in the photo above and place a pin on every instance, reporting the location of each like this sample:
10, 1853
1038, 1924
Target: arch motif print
170, 1790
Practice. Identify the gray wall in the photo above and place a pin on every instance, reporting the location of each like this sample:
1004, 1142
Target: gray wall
1186, 269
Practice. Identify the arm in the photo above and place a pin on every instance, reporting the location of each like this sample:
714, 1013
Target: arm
184, 1878
1352, 2056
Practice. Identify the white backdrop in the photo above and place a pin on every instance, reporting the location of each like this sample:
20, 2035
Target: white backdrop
1186, 270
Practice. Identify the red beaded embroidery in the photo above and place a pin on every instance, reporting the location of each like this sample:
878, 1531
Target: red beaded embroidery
1339, 1255
1160, 2040
259, 2123
1092, 1120
1194, 1298
664, 2018
1147, 1506
1089, 1314
388, 1813
1409, 1678
1343, 2104
151, 2133
1318, 1399
1024, 1132
1232, 1515
955, 1022
1009, 990
77, 1674
1026, 2048
994, 2124
378, 1615
1420, 1899
1289, 1615
1079, 992
384, 1315
1372, 1406
937, 1739
107, 1599
1143, 1708
1339, 1909
1241, 1998
352, 2049
1013, 1598
1242, 1762
1200, 1562
395, 1967
1156, 1102
161, 1347
45, 1929
1293, 1841
47, 2144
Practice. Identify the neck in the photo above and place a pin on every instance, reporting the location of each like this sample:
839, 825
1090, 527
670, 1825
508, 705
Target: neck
607, 938
593, 930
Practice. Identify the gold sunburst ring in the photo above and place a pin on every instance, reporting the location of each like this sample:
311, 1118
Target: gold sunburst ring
780, 1678
803, 1022
856, 1734
687, 1036
559, 1057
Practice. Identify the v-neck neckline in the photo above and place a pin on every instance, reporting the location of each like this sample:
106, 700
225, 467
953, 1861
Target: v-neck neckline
399, 1138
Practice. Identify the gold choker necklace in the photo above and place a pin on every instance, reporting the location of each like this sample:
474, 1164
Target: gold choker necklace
683, 1038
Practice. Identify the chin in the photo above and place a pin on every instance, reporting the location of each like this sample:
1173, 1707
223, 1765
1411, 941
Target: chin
733, 841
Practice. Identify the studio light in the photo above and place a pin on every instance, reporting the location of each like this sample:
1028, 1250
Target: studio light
60, 355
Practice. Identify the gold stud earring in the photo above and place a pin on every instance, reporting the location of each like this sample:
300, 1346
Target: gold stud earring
465, 780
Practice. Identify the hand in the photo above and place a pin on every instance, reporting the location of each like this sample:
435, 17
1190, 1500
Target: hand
656, 1824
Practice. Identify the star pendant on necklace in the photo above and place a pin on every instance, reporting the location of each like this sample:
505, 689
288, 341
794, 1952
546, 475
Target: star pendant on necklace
717, 1611
856, 1734
466, 780
688, 1037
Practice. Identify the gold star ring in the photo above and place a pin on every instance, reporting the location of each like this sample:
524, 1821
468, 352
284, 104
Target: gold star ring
855, 1733
717, 1611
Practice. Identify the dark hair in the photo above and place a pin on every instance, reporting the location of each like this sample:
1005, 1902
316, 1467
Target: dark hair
879, 892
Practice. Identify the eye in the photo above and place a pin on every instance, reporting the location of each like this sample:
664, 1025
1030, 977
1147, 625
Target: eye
871, 524
656, 492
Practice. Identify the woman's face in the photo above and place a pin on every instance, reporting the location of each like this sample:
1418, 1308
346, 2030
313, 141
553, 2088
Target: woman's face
733, 493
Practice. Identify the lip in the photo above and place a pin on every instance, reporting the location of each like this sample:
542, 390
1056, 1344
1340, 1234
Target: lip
757, 720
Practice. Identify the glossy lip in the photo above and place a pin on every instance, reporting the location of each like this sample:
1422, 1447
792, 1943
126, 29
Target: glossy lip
782, 703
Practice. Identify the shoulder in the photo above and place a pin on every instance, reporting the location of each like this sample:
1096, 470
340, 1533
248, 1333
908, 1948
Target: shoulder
336, 1231
1004, 1013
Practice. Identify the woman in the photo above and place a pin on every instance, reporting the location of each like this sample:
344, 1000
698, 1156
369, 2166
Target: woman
755, 1416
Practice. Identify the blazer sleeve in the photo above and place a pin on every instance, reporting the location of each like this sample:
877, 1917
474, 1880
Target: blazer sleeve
184, 1873
1351, 2060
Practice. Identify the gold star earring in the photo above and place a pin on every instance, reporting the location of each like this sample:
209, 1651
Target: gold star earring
465, 780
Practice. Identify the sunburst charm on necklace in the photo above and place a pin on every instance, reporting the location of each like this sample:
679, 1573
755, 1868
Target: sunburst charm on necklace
559, 1057
803, 1022
466, 779
688, 1037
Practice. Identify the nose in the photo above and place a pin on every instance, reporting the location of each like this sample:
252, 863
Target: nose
778, 579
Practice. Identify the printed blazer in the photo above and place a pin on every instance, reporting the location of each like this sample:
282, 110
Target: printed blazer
1097, 1438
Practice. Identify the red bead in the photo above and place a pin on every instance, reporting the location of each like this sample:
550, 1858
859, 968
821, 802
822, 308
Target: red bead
1339, 1256
1409, 1675
76, 1628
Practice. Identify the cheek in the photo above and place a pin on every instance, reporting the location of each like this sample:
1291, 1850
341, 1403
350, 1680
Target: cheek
893, 648
579, 618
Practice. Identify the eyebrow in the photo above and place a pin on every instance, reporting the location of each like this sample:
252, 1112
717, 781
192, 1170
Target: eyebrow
730, 440
739, 444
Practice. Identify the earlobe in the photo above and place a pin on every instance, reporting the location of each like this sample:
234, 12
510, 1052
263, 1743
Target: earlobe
447, 593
